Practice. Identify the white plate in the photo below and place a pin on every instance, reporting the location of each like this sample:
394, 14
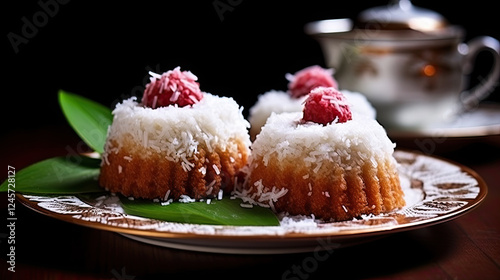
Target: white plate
436, 190
479, 122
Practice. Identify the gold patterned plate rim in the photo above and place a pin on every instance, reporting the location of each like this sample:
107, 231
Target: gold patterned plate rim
437, 189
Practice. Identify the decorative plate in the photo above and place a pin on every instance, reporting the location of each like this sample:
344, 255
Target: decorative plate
436, 191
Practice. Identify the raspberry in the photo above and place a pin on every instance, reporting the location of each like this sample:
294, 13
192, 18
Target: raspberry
325, 105
305, 80
172, 87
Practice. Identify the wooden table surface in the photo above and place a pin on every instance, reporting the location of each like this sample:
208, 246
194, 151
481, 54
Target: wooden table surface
467, 247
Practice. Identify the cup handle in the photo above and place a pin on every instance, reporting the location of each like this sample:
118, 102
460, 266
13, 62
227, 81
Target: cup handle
471, 98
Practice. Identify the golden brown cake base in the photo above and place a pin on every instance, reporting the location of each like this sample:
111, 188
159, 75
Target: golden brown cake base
135, 173
332, 193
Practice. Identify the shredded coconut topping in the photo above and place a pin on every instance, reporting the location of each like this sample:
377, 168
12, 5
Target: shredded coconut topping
274, 101
214, 123
264, 196
351, 144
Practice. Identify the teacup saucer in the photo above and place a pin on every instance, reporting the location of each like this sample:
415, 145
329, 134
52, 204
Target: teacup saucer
480, 124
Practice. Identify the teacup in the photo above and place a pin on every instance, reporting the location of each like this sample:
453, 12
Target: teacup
413, 78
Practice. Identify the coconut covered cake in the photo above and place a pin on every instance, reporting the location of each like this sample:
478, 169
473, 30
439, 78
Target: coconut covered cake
324, 161
176, 141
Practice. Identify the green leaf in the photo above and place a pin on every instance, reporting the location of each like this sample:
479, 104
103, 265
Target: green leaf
59, 175
89, 119
219, 212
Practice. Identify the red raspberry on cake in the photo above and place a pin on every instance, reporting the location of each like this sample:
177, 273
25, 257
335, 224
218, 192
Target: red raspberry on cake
325, 105
172, 87
305, 80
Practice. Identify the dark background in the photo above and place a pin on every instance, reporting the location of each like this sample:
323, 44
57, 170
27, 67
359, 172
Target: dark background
104, 51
